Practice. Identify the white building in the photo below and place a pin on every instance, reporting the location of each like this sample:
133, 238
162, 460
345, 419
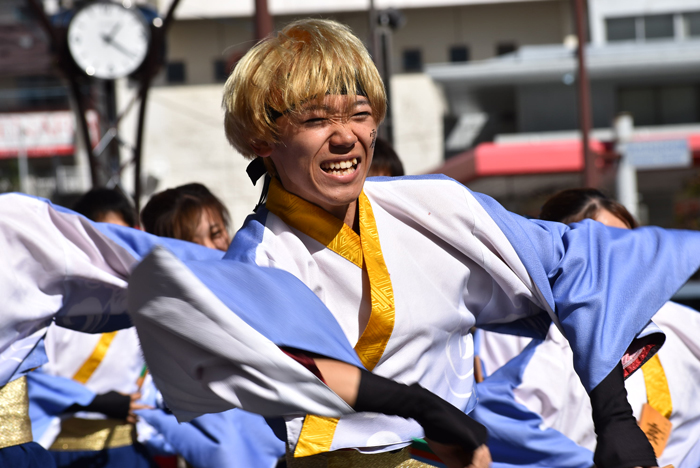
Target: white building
516, 116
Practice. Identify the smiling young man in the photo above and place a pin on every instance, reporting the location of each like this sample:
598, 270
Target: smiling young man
407, 266
386, 277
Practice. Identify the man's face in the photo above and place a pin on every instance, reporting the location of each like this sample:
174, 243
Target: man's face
325, 154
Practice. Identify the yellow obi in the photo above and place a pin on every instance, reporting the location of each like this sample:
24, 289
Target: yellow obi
15, 427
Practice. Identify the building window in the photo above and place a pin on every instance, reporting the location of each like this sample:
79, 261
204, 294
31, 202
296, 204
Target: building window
621, 29
692, 24
459, 53
412, 60
658, 27
221, 71
665, 105
503, 48
175, 72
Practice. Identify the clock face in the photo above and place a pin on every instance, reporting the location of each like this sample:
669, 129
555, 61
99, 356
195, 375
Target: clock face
107, 40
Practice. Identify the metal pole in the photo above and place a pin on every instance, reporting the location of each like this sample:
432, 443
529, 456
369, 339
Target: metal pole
263, 20
584, 97
158, 39
372, 33
626, 177
22, 162
80, 109
83, 130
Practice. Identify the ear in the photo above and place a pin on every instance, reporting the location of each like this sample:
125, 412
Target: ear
262, 149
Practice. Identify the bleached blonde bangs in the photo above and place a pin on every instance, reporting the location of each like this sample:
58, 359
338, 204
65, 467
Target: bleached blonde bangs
305, 61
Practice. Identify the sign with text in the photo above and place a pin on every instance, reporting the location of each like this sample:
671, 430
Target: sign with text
39, 134
659, 154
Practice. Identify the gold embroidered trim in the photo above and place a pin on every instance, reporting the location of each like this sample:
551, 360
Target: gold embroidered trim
355, 459
98, 354
317, 432
658, 394
316, 435
15, 427
374, 339
315, 222
93, 435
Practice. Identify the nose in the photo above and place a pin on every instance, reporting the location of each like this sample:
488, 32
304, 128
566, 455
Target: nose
343, 138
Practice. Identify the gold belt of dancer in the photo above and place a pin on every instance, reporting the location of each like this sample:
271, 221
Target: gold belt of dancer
355, 459
93, 434
15, 427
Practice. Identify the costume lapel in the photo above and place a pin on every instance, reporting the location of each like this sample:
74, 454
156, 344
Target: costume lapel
363, 251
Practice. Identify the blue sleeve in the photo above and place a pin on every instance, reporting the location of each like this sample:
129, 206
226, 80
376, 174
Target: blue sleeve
516, 435
51, 396
603, 284
233, 439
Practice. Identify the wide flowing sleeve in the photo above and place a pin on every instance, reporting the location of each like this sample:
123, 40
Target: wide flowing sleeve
58, 265
212, 333
232, 439
601, 285
518, 436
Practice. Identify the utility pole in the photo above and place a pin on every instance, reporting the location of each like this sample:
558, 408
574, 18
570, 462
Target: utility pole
584, 96
263, 20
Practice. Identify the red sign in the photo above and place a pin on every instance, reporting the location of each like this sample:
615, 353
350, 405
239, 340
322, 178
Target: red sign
39, 134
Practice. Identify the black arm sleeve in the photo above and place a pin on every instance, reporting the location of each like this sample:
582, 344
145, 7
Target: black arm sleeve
621, 442
111, 404
441, 421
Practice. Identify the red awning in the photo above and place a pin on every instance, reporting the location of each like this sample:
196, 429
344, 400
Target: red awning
508, 159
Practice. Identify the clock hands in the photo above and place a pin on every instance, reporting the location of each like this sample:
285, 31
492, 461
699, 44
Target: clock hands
109, 40
109, 37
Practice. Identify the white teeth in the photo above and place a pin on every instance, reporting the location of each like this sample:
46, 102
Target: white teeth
339, 168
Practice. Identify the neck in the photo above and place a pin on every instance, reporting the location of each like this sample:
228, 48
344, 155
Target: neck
348, 214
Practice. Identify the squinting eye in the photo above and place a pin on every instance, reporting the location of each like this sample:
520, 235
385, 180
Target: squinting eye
315, 120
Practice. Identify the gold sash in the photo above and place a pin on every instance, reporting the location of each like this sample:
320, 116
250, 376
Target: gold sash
363, 251
355, 459
15, 427
93, 435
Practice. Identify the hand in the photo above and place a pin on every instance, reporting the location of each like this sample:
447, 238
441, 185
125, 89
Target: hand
132, 418
454, 456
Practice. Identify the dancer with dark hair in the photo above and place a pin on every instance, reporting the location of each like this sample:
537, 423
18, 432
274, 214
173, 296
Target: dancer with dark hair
189, 212
534, 403
343, 307
106, 206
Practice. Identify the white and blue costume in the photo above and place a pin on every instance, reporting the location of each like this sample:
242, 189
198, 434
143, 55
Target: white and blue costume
439, 259
539, 414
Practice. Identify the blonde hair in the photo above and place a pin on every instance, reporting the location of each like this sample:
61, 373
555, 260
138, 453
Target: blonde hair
305, 61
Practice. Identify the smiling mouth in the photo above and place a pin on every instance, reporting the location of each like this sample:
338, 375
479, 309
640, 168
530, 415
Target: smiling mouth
340, 168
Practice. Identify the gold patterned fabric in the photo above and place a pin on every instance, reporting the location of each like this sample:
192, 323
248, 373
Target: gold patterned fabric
364, 251
355, 459
93, 434
15, 427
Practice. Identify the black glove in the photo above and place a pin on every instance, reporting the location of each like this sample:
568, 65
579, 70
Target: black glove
621, 442
441, 421
111, 404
